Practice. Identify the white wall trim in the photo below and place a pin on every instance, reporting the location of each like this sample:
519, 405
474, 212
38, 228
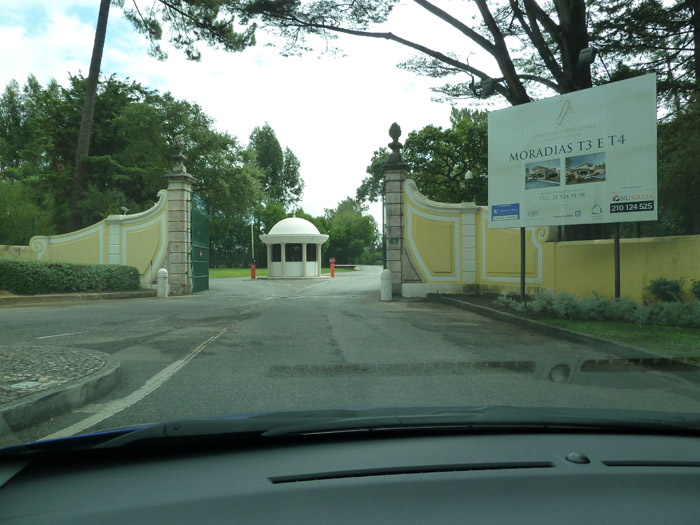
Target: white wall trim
537, 234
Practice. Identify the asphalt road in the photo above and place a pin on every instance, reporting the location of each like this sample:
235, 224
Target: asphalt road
246, 346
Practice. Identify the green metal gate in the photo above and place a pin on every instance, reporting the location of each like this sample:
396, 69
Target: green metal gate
200, 244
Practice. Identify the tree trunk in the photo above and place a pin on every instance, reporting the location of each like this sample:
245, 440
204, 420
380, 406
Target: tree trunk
80, 168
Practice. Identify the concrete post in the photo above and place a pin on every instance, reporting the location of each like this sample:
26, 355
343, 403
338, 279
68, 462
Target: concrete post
179, 226
394, 176
385, 285
163, 288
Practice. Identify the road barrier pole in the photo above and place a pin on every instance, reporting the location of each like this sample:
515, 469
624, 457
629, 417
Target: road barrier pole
252, 271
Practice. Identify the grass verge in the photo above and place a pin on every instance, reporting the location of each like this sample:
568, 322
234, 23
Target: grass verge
218, 273
672, 341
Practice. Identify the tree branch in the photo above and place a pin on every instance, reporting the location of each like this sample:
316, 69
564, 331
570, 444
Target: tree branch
466, 30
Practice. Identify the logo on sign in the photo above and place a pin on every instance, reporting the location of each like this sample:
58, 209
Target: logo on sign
566, 108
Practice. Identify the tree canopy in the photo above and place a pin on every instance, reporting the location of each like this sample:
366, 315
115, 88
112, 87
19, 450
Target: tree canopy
131, 151
282, 181
439, 160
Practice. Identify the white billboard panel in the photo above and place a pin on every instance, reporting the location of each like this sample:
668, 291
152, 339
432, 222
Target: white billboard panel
579, 158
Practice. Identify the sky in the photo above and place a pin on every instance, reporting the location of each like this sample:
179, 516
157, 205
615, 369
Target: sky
332, 111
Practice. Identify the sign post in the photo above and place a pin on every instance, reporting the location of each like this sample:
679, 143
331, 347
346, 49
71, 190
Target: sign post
586, 157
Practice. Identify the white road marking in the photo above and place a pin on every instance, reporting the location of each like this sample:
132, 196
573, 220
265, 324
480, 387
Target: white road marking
114, 407
61, 335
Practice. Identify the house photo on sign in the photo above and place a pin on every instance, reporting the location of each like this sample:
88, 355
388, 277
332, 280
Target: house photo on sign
580, 158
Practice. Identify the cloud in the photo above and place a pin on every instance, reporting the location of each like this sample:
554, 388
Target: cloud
333, 112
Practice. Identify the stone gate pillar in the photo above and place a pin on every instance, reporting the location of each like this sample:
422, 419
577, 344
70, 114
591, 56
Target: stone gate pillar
178, 261
394, 176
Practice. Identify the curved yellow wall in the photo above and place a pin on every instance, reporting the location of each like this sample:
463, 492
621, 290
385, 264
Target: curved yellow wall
139, 240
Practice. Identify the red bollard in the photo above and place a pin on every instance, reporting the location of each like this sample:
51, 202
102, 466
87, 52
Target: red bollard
252, 272
332, 266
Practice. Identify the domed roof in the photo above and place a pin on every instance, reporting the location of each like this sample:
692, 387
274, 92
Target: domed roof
294, 226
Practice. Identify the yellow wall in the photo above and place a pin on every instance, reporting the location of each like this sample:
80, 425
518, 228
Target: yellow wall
582, 268
589, 266
138, 240
82, 246
434, 242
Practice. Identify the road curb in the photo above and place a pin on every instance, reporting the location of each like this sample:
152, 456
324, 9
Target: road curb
52, 402
618, 349
27, 300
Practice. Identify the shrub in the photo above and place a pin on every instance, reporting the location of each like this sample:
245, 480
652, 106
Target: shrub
695, 289
566, 306
504, 300
596, 308
592, 308
666, 289
541, 304
37, 277
622, 309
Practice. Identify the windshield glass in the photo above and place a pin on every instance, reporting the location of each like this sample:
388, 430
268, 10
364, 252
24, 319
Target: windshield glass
229, 208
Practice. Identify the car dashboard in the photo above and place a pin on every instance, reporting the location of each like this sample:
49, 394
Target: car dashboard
490, 477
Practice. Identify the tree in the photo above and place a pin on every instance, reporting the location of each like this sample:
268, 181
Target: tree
641, 36
80, 167
351, 232
190, 21
679, 184
281, 182
133, 130
532, 44
439, 160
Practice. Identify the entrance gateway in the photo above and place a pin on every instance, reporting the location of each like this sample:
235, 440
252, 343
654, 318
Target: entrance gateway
200, 244
294, 249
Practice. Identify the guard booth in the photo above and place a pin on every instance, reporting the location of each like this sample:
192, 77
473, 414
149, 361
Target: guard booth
200, 243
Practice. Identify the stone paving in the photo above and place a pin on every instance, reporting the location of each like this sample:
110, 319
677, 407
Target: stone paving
28, 369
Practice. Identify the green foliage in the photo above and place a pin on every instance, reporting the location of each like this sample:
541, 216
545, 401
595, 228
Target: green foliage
130, 153
666, 289
622, 309
350, 232
566, 306
37, 277
541, 303
281, 180
695, 288
189, 22
439, 160
504, 300
642, 36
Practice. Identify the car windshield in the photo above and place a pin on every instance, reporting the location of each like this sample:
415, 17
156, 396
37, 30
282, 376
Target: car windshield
218, 209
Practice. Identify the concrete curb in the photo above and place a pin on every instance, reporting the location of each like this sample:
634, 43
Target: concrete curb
27, 300
618, 349
52, 402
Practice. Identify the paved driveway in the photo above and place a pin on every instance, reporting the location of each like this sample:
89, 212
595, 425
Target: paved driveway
260, 345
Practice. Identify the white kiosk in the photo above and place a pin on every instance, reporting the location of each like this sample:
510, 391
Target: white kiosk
294, 249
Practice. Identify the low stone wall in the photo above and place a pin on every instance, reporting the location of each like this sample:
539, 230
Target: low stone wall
18, 252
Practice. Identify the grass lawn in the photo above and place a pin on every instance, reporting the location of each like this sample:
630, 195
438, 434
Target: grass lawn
216, 273
672, 341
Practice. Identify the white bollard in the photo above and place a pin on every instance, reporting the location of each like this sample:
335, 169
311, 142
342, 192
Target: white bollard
385, 285
163, 286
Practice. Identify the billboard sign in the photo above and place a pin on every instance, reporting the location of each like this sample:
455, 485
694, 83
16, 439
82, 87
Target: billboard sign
579, 158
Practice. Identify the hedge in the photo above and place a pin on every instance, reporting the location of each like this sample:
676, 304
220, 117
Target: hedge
27, 277
566, 306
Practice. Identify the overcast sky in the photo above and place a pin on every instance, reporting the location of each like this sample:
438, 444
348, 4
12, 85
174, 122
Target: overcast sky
333, 112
